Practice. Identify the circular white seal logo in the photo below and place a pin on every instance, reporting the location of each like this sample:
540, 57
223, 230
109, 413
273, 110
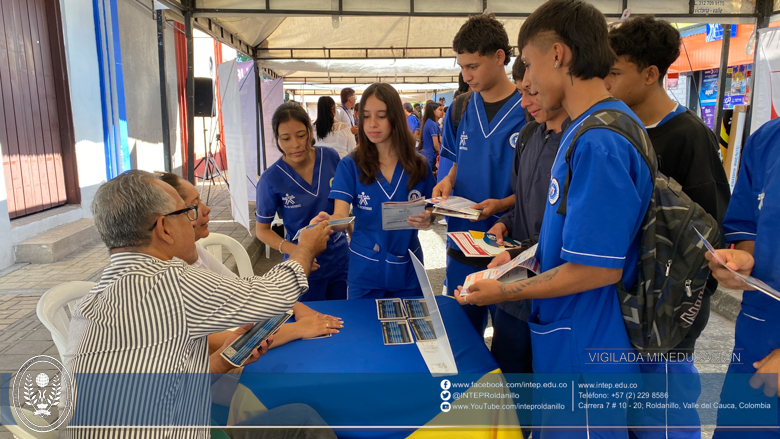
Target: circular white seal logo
555, 191
415, 194
42, 394
513, 139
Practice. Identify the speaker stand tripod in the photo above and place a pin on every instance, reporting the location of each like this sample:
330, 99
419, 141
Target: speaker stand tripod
211, 171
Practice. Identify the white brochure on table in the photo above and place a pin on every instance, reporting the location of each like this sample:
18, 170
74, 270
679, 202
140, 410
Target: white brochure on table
436, 353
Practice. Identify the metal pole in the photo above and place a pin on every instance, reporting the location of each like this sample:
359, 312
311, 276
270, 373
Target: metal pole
764, 12
166, 134
259, 123
190, 98
722, 72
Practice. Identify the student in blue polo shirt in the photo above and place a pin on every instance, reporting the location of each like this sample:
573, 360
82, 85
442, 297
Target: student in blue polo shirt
297, 187
584, 253
430, 140
751, 223
384, 168
483, 147
411, 120
530, 179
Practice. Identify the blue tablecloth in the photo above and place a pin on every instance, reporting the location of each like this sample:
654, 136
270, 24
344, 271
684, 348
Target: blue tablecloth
353, 379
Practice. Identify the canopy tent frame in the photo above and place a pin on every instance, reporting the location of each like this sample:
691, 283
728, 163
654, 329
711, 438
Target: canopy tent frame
208, 21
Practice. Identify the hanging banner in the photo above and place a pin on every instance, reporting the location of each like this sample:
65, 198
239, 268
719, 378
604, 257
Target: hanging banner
273, 96
234, 142
247, 91
709, 95
766, 101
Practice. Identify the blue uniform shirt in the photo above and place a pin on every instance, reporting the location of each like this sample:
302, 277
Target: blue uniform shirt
379, 259
413, 123
484, 153
430, 130
754, 210
677, 110
282, 190
608, 196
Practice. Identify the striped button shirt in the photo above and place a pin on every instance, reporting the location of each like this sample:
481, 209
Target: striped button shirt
137, 347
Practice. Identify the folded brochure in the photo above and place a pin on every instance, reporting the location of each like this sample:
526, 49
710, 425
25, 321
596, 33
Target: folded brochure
512, 271
750, 280
339, 225
457, 207
475, 244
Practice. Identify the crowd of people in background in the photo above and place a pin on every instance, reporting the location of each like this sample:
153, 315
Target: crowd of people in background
508, 146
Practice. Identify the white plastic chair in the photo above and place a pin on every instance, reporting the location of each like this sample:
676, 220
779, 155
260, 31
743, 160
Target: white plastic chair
214, 243
276, 222
51, 310
22, 432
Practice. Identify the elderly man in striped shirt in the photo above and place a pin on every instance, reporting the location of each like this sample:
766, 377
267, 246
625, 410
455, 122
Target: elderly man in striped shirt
137, 348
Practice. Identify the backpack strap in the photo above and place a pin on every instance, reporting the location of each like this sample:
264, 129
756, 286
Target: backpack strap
459, 108
621, 123
526, 133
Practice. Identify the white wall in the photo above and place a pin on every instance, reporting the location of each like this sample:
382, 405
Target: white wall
84, 83
6, 244
81, 58
140, 64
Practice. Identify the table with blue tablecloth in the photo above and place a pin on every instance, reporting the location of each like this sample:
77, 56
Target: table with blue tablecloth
363, 388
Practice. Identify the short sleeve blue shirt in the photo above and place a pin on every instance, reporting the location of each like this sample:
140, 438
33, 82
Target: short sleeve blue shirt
282, 190
413, 123
379, 258
608, 197
754, 210
484, 152
430, 130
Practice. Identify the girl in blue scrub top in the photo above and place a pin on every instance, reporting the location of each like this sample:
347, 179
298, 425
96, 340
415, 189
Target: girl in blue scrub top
431, 134
383, 168
297, 187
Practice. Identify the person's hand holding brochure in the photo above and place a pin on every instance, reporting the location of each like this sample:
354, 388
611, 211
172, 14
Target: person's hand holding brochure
457, 207
396, 213
513, 271
339, 225
749, 280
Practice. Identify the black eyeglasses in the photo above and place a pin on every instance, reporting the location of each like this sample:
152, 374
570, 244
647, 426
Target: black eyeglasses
191, 211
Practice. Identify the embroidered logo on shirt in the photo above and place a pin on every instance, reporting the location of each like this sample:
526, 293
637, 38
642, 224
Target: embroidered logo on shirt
330, 183
555, 191
289, 201
363, 200
761, 200
462, 144
415, 194
513, 139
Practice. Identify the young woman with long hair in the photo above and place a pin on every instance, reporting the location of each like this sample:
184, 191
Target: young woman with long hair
384, 168
296, 187
431, 134
331, 132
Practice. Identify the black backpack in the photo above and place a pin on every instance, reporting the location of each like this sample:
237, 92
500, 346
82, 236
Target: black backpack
672, 271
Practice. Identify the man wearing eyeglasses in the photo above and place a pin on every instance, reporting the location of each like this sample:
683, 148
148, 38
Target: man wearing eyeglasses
142, 330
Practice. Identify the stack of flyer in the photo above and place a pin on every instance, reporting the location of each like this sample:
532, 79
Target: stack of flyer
513, 271
475, 244
457, 207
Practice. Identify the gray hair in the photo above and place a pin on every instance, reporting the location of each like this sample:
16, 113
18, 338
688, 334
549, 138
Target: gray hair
126, 206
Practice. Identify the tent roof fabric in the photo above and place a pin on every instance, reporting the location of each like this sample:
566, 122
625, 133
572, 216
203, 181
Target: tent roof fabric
405, 40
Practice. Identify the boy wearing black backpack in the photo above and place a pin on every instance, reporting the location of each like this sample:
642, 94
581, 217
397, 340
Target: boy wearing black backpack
604, 189
687, 152
534, 157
